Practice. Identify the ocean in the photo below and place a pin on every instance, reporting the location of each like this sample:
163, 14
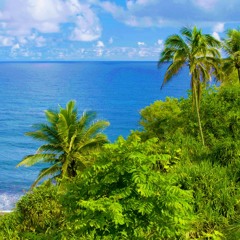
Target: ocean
117, 91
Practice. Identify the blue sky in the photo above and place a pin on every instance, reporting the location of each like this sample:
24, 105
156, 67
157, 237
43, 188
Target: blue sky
103, 29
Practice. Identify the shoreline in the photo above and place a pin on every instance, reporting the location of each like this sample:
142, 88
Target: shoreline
3, 212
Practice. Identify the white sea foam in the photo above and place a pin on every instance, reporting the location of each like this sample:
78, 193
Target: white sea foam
8, 201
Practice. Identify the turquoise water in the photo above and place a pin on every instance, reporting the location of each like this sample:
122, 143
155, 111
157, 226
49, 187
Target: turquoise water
117, 91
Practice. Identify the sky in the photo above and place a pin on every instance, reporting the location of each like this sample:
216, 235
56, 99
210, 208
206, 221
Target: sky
104, 30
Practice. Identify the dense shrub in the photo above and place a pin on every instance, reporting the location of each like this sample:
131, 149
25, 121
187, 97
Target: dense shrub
9, 226
38, 215
173, 121
216, 195
123, 197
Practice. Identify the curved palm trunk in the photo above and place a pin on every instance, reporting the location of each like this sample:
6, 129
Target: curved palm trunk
198, 113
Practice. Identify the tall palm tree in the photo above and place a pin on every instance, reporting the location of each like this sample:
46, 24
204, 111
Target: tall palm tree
231, 45
67, 139
200, 53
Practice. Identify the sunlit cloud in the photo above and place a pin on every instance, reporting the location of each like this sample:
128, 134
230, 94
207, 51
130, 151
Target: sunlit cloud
20, 18
88, 29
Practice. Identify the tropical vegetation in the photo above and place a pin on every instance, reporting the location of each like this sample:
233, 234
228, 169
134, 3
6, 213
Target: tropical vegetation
231, 46
200, 52
160, 182
67, 139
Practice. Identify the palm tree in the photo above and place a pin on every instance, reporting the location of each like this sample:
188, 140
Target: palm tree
231, 45
200, 53
68, 139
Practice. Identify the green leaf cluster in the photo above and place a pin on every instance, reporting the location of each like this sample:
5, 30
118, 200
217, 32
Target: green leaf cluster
67, 140
122, 196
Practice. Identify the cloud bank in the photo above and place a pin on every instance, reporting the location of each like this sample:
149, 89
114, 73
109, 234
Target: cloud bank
147, 13
65, 29
19, 19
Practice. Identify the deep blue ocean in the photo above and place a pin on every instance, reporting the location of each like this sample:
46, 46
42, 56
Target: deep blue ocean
117, 91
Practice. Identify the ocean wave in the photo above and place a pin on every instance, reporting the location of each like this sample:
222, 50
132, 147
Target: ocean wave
8, 201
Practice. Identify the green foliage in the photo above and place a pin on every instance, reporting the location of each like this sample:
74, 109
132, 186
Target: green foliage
173, 123
161, 119
38, 215
9, 227
123, 197
216, 195
221, 119
40, 210
68, 139
200, 53
231, 45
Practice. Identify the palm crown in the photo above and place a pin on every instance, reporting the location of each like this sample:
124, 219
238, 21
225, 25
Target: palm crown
68, 140
231, 46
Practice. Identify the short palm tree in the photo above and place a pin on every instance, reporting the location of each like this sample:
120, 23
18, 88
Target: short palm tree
200, 53
231, 45
68, 139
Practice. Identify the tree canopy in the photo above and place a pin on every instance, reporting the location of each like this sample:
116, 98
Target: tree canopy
67, 139
200, 53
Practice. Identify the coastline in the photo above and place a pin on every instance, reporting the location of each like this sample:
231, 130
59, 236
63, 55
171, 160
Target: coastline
3, 212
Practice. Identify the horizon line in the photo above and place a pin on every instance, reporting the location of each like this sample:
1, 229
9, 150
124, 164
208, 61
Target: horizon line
62, 61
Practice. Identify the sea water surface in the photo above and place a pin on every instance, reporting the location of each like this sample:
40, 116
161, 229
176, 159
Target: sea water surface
117, 91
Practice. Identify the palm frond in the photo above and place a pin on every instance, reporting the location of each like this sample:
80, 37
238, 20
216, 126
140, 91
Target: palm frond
95, 128
51, 116
50, 148
212, 42
172, 70
187, 33
92, 143
44, 133
53, 170
86, 119
36, 158
176, 42
65, 136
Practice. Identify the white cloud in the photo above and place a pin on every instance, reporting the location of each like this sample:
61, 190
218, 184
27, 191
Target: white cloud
141, 43
142, 53
110, 41
20, 18
100, 44
206, 4
88, 26
22, 40
219, 27
99, 52
6, 41
216, 35
127, 16
40, 41
14, 49
160, 42
157, 13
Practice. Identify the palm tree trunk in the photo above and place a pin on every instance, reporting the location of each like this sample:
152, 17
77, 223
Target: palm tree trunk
238, 74
198, 113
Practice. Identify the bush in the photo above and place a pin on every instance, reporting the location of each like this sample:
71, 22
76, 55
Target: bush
174, 121
9, 226
216, 195
123, 197
38, 215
